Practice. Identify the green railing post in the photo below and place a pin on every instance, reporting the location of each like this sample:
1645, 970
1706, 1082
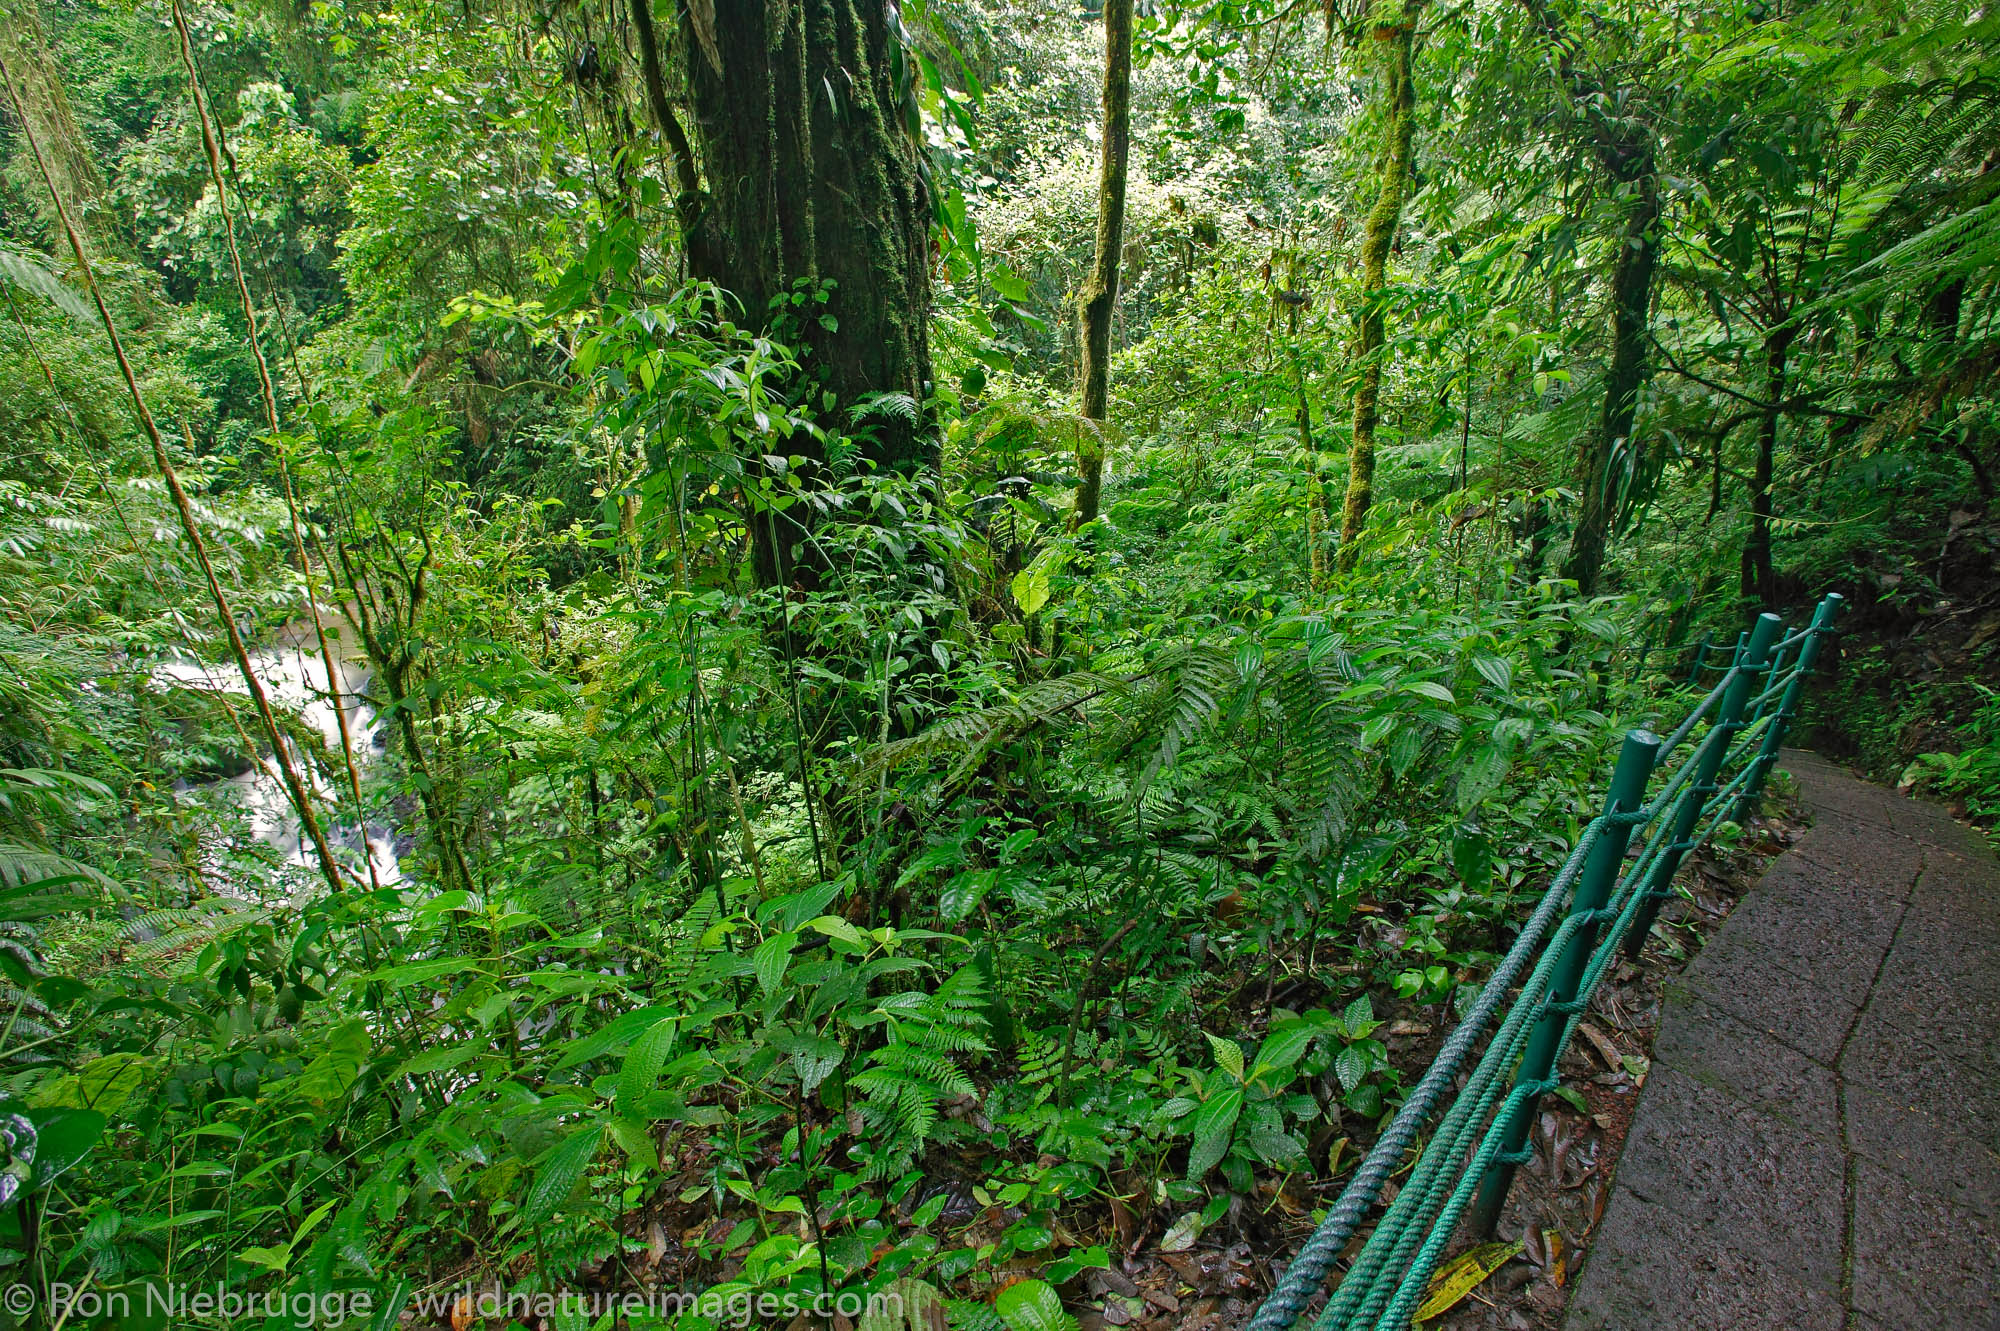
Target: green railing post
1777, 664
1708, 762
1593, 889
1700, 658
1788, 703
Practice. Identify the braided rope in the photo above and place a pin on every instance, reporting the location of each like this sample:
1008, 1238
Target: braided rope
1424, 1215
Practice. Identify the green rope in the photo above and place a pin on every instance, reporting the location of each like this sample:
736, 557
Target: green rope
1388, 1277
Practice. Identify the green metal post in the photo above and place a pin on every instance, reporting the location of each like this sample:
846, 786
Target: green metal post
1593, 888
1708, 762
1788, 703
1776, 671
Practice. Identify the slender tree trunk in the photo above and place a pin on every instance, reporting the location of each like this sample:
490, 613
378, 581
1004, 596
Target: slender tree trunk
1394, 160
687, 178
1757, 577
295, 788
1631, 302
1315, 493
388, 625
1099, 297
211, 142
806, 119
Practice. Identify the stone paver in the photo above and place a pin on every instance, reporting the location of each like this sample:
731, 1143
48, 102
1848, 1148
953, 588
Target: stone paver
1818, 1145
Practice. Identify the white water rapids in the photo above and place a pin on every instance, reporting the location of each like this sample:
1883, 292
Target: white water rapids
294, 679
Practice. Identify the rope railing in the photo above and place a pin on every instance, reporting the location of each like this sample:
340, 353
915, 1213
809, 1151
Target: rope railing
1600, 903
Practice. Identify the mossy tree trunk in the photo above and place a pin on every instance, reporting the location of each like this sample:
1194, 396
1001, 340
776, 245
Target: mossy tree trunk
1630, 161
1393, 176
804, 116
1099, 297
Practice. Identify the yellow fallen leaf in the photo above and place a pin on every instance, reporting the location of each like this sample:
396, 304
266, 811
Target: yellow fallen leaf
1333, 1155
1463, 1274
1552, 1243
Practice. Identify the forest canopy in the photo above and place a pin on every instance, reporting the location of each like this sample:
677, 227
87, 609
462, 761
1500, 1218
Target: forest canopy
815, 646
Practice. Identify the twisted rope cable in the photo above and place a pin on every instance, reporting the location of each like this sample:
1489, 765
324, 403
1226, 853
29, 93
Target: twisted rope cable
1419, 1217
1418, 1201
1307, 1271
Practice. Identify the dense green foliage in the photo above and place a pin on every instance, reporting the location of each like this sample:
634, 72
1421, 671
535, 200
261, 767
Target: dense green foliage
879, 927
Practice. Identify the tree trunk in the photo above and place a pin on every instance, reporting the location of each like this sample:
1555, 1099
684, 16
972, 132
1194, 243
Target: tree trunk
687, 179
1099, 296
1631, 302
1394, 160
806, 121
1315, 493
1757, 579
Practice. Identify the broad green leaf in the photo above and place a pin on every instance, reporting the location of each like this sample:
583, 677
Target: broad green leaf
103, 1084
833, 926
618, 1033
1212, 1126
442, 1059
62, 1138
643, 1062
1278, 1147
563, 1167
1030, 588
1379, 728
274, 1259
331, 1075
1472, 857
1481, 776
962, 895
1033, 1305
1284, 1046
635, 1138
771, 959
910, 1305
1228, 1055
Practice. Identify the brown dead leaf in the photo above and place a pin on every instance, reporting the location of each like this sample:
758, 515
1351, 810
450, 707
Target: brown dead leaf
1125, 1222
1601, 1042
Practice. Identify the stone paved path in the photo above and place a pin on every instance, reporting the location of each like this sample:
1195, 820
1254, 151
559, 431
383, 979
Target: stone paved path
1817, 1147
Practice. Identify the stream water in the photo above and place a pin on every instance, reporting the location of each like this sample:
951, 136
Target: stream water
294, 679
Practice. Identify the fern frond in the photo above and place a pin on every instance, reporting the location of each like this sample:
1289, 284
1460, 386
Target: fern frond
33, 274
970, 737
